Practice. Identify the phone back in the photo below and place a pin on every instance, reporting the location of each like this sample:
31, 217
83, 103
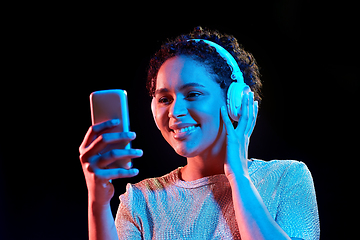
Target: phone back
110, 104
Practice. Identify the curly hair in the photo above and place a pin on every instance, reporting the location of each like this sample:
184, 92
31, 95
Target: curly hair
203, 53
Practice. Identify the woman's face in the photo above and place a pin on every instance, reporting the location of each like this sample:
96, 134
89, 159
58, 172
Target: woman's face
187, 106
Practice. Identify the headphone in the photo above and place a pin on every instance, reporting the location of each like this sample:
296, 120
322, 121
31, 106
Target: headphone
235, 92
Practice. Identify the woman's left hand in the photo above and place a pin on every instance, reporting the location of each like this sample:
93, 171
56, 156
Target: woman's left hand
237, 141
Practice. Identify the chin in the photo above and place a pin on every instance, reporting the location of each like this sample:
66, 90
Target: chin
182, 149
194, 144
187, 149
186, 152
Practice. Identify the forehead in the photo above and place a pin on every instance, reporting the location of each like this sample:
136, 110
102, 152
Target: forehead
180, 70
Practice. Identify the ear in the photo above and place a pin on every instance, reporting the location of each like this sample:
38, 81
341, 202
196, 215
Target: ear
153, 110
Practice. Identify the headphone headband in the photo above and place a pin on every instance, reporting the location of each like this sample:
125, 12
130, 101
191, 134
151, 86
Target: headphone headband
236, 75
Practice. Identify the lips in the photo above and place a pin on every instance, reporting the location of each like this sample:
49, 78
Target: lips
182, 131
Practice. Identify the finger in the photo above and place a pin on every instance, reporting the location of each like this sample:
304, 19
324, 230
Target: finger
117, 154
105, 139
95, 129
244, 115
227, 122
251, 114
116, 173
256, 109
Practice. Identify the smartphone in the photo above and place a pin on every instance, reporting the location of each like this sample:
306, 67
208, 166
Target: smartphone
109, 104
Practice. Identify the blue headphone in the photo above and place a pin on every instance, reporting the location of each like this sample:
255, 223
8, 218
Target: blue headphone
235, 92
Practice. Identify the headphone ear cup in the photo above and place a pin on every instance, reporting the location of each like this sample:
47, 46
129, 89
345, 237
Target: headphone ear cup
153, 106
234, 99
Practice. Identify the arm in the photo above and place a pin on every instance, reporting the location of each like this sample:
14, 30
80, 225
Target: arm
97, 175
258, 220
101, 222
253, 218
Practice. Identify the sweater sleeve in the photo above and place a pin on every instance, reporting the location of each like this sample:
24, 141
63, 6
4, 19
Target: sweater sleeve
127, 222
297, 212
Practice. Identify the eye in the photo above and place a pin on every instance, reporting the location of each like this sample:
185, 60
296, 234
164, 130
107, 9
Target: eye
164, 100
193, 95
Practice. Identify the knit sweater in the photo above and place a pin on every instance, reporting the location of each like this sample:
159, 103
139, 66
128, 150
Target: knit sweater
169, 208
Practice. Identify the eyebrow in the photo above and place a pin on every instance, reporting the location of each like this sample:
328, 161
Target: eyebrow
187, 85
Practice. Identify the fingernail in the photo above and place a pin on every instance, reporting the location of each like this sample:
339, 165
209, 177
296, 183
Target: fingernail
131, 134
115, 121
129, 165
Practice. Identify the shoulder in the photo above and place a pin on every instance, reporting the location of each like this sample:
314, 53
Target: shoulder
280, 166
277, 163
284, 172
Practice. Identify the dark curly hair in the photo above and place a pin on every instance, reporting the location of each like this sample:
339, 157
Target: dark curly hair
203, 53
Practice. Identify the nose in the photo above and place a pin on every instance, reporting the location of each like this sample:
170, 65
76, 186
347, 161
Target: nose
178, 108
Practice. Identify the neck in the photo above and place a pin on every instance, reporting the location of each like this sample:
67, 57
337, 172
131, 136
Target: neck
208, 163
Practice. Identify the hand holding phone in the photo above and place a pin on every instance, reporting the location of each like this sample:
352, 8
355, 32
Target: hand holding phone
105, 152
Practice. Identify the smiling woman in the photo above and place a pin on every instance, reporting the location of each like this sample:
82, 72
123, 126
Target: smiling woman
206, 109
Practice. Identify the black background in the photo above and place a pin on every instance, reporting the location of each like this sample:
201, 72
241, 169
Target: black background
57, 55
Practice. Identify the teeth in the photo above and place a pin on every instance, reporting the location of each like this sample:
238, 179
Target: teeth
184, 129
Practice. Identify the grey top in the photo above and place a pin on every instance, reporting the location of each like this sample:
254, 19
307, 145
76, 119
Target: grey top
169, 208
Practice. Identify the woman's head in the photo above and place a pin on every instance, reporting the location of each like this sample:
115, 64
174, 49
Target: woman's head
188, 81
186, 106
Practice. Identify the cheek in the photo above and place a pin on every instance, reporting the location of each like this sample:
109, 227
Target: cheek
209, 112
211, 118
210, 123
160, 117
162, 121
208, 115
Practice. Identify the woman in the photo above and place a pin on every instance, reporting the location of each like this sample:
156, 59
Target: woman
220, 193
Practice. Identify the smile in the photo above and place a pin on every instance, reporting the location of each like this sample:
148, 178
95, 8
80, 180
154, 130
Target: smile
185, 129
182, 133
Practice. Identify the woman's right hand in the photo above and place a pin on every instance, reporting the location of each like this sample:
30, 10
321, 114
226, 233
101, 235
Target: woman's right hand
95, 166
